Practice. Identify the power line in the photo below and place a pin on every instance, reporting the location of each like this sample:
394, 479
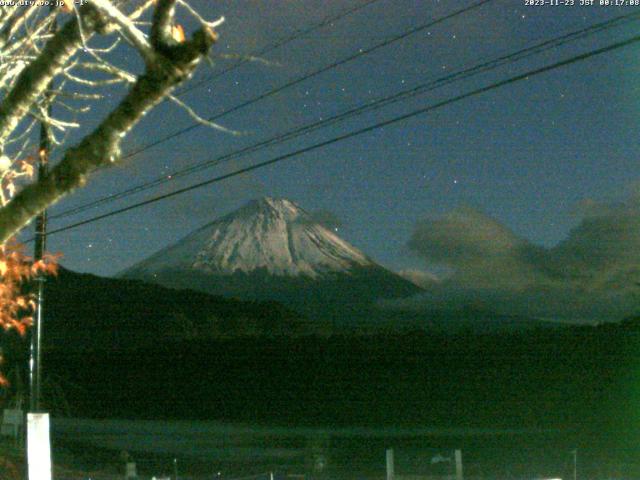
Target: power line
312, 74
333, 65
294, 36
374, 105
414, 113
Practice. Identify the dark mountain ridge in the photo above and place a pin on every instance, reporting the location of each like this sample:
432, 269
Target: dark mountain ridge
95, 312
143, 351
271, 249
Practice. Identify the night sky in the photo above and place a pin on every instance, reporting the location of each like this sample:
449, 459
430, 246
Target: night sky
537, 157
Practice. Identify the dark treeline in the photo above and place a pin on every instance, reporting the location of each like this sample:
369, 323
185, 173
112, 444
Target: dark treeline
582, 379
127, 349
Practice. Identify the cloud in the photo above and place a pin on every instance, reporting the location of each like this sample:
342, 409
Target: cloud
605, 246
594, 274
462, 235
478, 248
421, 278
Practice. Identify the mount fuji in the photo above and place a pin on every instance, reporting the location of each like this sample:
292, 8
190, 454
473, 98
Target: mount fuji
271, 249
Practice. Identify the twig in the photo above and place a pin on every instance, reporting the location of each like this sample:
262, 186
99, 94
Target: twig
192, 113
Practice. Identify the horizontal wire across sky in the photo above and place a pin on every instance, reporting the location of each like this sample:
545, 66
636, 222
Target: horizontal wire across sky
420, 111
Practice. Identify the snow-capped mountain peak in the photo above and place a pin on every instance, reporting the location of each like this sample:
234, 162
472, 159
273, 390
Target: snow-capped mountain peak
271, 235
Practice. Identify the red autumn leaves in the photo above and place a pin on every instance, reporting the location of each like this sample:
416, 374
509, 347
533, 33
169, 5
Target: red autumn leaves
16, 269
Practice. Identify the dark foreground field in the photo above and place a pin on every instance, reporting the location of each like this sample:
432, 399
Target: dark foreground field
550, 390
580, 379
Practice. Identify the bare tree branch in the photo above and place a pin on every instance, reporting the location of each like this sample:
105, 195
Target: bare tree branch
161, 29
173, 63
127, 28
138, 12
203, 121
14, 23
34, 79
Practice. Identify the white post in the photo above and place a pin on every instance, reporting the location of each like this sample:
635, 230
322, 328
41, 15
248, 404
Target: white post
459, 465
38, 446
130, 471
390, 471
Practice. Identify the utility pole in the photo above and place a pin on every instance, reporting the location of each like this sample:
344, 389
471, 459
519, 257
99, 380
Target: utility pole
44, 149
35, 368
38, 449
575, 463
390, 464
38, 445
458, 456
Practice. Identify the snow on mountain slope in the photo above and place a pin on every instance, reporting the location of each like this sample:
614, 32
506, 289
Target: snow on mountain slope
271, 235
